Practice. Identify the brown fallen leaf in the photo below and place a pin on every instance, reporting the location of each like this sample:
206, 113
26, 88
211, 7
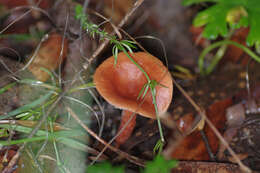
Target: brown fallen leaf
49, 56
117, 9
18, 26
5, 156
241, 156
184, 123
197, 38
193, 147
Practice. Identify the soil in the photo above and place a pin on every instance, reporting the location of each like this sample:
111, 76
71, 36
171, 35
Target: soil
225, 87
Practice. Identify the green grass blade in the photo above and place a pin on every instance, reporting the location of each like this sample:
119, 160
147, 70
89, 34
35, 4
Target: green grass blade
27, 107
82, 87
5, 88
39, 84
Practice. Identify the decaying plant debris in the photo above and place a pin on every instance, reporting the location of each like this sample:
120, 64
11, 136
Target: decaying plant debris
52, 119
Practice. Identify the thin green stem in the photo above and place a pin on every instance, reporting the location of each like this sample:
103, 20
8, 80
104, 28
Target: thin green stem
137, 65
5, 88
157, 116
220, 53
37, 111
218, 56
25, 140
218, 44
59, 163
153, 91
37, 83
81, 87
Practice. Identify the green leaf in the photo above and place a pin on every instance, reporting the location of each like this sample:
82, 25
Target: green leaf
105, 167
27, 107
38, 83
243, 22
236, 13
129, 43
160, 165
257, 47
127, 47
191, 2
5, 88
115, 54
215, 18
254, 34
82, 87
78, 11
120, 47
17, 37
158, 147
143, 91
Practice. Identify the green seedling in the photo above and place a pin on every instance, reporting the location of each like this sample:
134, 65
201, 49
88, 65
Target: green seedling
158, 165
221, 19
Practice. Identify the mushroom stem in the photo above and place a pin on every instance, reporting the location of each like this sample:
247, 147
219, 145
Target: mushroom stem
127, 125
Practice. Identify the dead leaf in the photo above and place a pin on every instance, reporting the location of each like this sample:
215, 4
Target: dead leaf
184, 123
193, 147
117, 9
49, 56
197, 37
5, 156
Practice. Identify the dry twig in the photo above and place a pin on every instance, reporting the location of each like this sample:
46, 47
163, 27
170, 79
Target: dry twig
132, 159
103, 45
214, 129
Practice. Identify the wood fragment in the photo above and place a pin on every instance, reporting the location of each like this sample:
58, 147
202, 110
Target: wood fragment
206, 167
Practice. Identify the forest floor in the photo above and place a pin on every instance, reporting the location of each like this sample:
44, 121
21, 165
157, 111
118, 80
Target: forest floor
52, 119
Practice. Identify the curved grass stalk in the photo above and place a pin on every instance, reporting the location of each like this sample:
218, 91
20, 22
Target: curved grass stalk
88, 86
27, 107
209, 69
38, 83
161, 43
59, 162
86, 105
102, 112
151, 84
82, 87
114, 137
64, 137
5, 88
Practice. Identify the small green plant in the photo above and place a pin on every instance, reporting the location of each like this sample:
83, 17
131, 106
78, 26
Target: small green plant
24, 37
94, 30
26, 117
124, 46
158, 165
105, 167
221, 19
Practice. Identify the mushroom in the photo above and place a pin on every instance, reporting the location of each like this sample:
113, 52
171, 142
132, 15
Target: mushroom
120, 85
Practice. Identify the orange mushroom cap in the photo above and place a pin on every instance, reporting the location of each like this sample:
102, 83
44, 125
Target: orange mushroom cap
121, 84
